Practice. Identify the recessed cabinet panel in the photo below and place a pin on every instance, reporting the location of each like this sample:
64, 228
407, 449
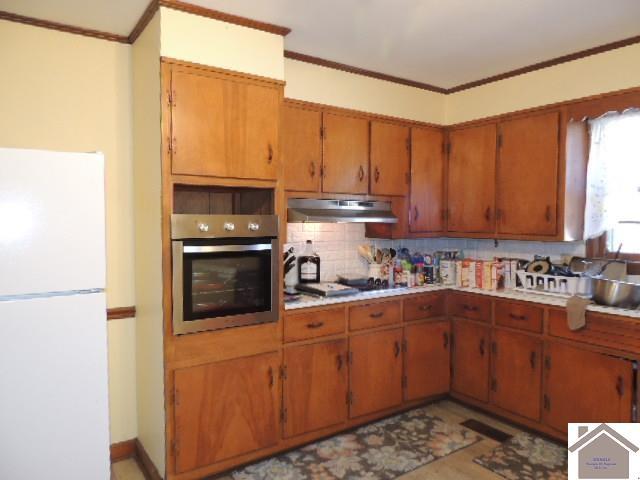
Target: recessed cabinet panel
315, 387
225, 409
346, 154
527, 185
426, 359
390, 149
470, 357
471, 180
301, 148
427, 210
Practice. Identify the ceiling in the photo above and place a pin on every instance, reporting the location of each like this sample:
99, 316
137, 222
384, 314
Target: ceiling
442, 43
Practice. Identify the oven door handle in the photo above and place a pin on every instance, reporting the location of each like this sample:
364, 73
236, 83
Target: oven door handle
257, 247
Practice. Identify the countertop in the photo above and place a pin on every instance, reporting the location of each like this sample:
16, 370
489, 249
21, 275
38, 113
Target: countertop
307, 301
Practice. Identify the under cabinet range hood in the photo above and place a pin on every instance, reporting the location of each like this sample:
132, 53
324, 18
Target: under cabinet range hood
306, 210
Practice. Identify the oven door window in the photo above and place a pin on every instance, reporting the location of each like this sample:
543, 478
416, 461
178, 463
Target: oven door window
222, 282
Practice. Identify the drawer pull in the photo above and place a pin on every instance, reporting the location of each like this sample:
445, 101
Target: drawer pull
445, 336
517, 317
482, 347
620, 386
425, 308
397, 349
532, 360
469, 308
376, 314
271, 380
314, 325
339, 359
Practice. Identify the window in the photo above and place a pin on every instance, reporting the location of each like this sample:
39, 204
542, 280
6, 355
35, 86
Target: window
613, 183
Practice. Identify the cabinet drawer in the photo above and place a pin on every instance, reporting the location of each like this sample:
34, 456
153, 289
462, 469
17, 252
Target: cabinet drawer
301, 326
374, 315
519, 315
473, 307
617, 332
424, 306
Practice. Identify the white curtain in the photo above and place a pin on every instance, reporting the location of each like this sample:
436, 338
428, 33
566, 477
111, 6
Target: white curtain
613, 172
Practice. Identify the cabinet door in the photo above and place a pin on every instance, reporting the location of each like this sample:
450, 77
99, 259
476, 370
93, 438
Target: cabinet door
345, 167
584, 386
389, 159
471, 180
527, 184
225, 409
301, 148
426, 360
517, 373
470, 357
375, 371
222, 127
427, 180
315, 388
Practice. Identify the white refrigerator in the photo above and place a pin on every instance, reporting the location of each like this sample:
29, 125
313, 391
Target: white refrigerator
54, 416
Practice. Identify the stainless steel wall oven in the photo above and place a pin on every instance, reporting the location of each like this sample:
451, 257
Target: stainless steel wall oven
225, 271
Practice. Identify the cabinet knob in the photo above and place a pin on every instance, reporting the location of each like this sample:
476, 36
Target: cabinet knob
312, 169
229, 227
445, 337
254, 227
397, 349
376, 175
487, 214
270, 157
482, 342
547, 213
416, 213
361, 173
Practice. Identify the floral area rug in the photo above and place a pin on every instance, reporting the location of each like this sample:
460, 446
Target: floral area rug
527, 457
382, 450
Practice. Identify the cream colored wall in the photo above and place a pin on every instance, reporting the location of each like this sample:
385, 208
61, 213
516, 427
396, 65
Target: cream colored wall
606, 72
148, 242
67, 92
313, 83
211, 42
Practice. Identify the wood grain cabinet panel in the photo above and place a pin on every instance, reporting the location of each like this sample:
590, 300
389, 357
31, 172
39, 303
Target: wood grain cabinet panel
427, 204
375, 371
223, 126
585, 386
301, 148
225, 409
516, 384
519, 315
320, 323
374, 315
315, 387
424, 306
470, 357
527, 175
426, 359
471, 180
346, 154
390, 150
473, 307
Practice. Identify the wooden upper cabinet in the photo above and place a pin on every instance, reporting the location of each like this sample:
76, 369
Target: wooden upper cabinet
585, 386
346, 154
426, 359
470, 357
390, 150
527, 181
223, 126
471, 180
225, 409
516, 384
315, 387
375, 371
427, 207
301, 148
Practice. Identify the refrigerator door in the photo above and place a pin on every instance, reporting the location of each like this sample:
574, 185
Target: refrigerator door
52, 221
54, 418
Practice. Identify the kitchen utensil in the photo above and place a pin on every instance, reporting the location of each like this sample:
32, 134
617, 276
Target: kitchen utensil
287, 253
615, 293
393, 253
327, 289
352, 279
289, 264
365, 252
539, 265
378, 256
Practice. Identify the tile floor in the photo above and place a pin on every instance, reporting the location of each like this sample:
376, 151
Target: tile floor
457, 466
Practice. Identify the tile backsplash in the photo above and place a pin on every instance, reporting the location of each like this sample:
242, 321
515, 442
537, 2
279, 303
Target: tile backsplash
337, 245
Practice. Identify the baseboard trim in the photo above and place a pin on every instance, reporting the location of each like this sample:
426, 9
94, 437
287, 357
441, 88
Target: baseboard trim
146, 465
122, 450
134, 449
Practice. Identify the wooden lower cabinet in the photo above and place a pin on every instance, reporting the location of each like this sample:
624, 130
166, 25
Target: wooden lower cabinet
375, 371
516, 383
225, 409
426, 359
315, 387
585, 386
470, 357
